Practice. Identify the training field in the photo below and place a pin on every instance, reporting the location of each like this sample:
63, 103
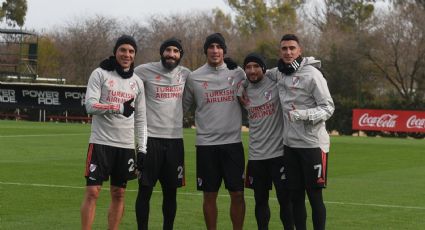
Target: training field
374, 183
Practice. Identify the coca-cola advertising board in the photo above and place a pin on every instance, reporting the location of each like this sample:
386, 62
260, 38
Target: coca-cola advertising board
389, 120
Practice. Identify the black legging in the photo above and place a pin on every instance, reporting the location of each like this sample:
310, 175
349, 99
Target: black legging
169, 207
292, 211
262, 209
299, 209
318, 208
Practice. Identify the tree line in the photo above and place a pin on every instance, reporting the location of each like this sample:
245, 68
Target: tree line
372, 51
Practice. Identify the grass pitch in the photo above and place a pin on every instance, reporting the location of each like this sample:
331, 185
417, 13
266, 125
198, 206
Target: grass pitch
374, 183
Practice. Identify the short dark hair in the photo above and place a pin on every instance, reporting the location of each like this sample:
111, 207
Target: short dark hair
290, 37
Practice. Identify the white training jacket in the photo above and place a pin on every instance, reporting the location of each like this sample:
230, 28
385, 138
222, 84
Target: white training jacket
106, 93
218, 115
164, 93
305, 90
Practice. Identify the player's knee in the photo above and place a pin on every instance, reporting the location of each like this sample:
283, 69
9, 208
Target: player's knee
237, 197
117, 193
210, 198
92, 193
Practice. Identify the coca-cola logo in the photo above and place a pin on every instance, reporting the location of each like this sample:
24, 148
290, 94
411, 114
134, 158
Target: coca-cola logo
385, 120
414, 122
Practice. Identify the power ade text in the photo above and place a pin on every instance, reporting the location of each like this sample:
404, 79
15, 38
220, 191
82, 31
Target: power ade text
7, 96
76, 96
43, 97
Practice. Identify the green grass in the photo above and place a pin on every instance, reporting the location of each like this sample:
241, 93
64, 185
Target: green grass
374, 183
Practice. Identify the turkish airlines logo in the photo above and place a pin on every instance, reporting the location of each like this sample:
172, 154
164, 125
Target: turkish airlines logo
385, 120
414, 122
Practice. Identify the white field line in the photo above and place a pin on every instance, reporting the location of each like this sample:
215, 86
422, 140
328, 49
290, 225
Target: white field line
223, 195
45, 135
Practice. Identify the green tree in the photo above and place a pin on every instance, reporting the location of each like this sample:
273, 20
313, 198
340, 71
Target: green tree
343, 24
347, 15
419, 3
262, 15
48, 57
397, 50
14, 12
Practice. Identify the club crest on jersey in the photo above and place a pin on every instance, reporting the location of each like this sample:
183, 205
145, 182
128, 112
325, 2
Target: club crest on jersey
179, 78
205, 85
199, 181
92, 167
295, 81
231, 80
111, 83
251, 180
158, 78
133, 85
268, 95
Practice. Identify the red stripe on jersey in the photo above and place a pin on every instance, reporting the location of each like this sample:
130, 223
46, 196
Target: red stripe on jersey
89, 154
106, 107
324, 165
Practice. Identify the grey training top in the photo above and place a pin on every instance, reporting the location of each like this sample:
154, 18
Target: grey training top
106, 93
305, 90
218, 115
265, 120
164, 93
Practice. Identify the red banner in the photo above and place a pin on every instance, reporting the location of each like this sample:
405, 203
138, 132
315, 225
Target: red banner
389, 120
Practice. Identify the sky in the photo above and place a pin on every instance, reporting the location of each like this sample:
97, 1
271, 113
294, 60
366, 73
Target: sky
46, 14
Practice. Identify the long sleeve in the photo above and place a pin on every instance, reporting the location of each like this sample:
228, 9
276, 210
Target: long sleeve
187, 96
93, 102
323, 98
106, 92
325, 105
140, 120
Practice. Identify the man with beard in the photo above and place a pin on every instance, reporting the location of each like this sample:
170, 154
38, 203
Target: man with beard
164, 84
112, 91
265, 159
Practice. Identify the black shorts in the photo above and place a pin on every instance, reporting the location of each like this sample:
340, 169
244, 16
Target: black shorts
164, 161
261, 173
215, 163
305, 168
104, 161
